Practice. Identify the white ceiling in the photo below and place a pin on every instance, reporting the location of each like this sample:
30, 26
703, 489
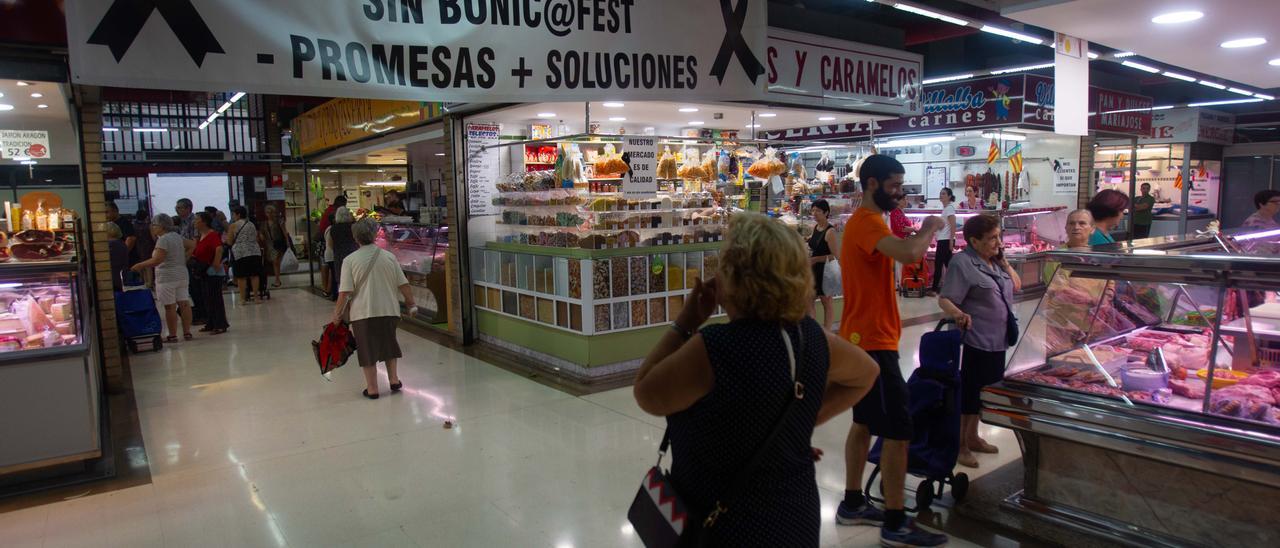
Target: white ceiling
55, 119
1126, 25
665, 117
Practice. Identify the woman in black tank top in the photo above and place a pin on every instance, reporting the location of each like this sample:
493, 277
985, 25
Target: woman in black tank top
820, 244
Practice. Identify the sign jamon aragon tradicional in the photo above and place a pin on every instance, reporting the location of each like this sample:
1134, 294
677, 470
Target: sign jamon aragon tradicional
445, 50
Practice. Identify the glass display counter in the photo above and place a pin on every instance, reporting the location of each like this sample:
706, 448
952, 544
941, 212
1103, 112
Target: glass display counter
422, 251
1028, 233
49, 380
1153, 368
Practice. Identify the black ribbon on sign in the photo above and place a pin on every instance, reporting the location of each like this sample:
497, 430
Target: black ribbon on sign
125, 18
733, 43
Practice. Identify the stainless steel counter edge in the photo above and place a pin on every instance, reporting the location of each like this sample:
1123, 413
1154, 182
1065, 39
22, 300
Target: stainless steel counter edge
1221, 446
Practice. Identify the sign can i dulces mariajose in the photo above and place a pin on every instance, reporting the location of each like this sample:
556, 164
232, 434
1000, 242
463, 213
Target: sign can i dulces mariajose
445, 50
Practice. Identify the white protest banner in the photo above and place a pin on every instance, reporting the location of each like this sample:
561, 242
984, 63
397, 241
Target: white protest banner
21, 144
815, 70
482, 167
640, 182
1066, 176
442, 50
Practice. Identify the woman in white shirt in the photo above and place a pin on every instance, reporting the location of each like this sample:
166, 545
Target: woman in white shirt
369, 281
942, 257
172, 282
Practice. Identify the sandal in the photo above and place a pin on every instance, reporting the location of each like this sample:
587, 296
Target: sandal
365, 392
187, 336
220, 331
984, 447
277, 285
397, 386
171, 339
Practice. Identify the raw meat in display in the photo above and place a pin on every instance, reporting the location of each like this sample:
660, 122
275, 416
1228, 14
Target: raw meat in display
1244, 392
36, 251
1254, 409
1189, 388
1229, 407
1072, 296
34, 236
1269, 378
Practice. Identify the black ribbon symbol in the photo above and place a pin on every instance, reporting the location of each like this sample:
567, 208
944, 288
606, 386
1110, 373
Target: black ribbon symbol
125, 18
734, 18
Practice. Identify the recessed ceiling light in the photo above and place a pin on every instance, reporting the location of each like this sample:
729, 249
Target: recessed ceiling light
617, 119
23, 84
688, 109
1274, 62
42, 105
1182, 77
1093, 55
315, 171
614, 104
333, 171
766, 115
826, 118
1213, 85
1140, 66
546, 115
752, 126
28, 162
1176, 17
439, 154
1243, 42
37, 95
110, 129
696, 123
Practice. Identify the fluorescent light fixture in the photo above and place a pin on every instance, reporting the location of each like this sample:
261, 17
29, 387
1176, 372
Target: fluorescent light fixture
315, 171
826, 118
1005, 136
224, 108
150, 130
1241, 91
1162, 107
1264, 96
1182, 77
333, 171
28, 162
753, 126
1020, 69
546, 115
1227, 102
688, 109
614, 104
1093, 55
1123, 54
110, 129
767, 115
919, 141
439, 154
942, 79
42, 105
1213, 85
1243, 42
238, 96
23, 84
1176, 17
932, 14
1011, 34
4, 107
1140, 66
1256, 235
617, 119
1274, 62
204, 124
696, 123
384, 183
37, 95
10, 285
1126, 151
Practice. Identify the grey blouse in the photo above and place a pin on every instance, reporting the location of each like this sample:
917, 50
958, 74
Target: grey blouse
971, 284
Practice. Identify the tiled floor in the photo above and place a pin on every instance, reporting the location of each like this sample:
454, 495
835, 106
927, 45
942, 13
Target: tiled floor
249, 446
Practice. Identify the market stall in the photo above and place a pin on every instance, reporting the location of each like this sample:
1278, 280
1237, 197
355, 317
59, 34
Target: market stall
1151, 368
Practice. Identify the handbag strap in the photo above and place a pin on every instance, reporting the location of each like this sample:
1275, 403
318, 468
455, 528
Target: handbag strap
364, 276
1000, 289
740, 480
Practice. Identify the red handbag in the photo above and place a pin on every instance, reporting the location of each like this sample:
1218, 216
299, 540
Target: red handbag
334, 348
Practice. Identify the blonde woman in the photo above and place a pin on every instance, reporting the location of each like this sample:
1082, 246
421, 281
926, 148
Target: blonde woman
724, 387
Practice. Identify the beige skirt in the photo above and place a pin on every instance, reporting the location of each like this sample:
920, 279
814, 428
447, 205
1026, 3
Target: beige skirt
376, 339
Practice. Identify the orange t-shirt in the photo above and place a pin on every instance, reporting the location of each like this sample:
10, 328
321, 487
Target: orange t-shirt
870, 318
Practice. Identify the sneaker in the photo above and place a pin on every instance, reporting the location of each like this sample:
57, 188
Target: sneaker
911, 536
866, 514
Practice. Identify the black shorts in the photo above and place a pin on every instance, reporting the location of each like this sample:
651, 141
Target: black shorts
247, 267
978, 369
885, 410
819, 270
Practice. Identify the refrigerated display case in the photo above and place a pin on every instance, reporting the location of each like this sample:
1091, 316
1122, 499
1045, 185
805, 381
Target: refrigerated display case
49, 373
421, 250
1145, 376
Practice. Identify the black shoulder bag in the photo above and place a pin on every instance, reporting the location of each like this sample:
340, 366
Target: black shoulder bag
659, 515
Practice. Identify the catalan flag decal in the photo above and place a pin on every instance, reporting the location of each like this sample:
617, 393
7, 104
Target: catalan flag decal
1015, 158
993, 153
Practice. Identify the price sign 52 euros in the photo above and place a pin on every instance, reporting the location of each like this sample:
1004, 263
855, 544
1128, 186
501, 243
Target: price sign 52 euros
19, 144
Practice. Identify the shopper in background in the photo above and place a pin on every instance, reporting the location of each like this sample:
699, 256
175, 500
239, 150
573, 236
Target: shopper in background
1107, 209
340, 239
173, 282
118, 253
374, 276
146, 243
821, 244
246, 253
219, 220
322, 236
127, 234
724, 387
1142, 212
277, 242
978, 295
1268, 204
942, 257
186, 227
207, 258
871, 321
1079, 228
